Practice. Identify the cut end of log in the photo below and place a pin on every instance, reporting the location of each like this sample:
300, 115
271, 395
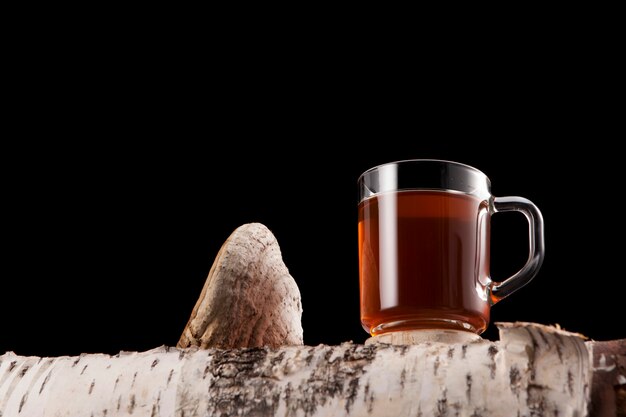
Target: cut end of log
249, 299
415, 337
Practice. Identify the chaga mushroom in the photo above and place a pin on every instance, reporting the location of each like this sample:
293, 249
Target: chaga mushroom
249, 299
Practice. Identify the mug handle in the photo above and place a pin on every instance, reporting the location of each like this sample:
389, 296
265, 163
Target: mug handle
502, 289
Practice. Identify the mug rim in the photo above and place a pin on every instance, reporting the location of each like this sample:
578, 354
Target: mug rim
404, 161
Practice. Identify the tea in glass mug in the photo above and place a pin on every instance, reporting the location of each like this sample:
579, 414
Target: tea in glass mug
424, 240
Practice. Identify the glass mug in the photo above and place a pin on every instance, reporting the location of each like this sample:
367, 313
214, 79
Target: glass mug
424, 232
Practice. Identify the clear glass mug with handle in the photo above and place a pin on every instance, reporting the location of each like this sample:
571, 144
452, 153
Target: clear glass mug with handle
424, 249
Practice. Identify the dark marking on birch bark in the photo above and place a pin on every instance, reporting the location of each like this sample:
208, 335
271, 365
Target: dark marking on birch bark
402, 378
535, 399
451, 353
468, 384
76, 361
93, 384
559, 351
277, 359
479, 413
169, 377
514, 380
119, 402
22, 402
181, 355
353, 389
491, 352
132, 384
288, 391
530, 352
83, 371
533, 338
368, 397
463, 351
154, 363
570, 383
117, 380
544, 338
131, 405
105, 412
12, 365
23, 371
309, 356
436, 366
45, 381
361, 356
157, 410
403, 349
442, 405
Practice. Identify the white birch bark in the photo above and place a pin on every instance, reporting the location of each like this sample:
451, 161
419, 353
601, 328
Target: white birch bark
533, 370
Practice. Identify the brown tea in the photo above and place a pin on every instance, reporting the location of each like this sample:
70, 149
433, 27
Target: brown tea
424, 261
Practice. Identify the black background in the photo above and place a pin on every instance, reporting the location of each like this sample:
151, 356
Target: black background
120, 185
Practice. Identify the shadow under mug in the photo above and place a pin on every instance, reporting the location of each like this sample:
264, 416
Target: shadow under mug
424, 238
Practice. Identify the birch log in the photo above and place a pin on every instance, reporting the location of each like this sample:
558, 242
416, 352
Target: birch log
533, 370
